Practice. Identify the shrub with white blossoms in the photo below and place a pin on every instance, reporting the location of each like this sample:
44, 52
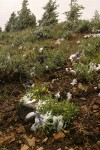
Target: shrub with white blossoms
42, 121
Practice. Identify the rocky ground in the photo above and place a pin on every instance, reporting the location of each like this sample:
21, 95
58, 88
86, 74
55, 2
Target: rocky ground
83, 133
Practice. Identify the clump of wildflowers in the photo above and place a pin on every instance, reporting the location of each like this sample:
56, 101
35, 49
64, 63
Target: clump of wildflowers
49, 114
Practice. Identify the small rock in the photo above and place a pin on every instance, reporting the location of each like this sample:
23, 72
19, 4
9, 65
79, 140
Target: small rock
20, 142
24, 147
21, 129
45, 140
95, 146
98, 143
59, 149
66, 148
97, 114
37, 140
31, 142
95, 110
88, 148
95, 106
97, 102
40, 148
84, 109
59, 135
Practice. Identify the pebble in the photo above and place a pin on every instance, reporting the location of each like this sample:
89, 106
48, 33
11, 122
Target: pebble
40, 148
24, 147
95, 106
59, 149
59, 135
97, 102
31, 142
45, 140
98, 143
66, 148
97, 114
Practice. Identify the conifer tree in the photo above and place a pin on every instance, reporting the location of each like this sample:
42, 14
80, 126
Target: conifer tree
25, 17
75, 11
50, 15
10, 26
0, 29
96, 17
96, 21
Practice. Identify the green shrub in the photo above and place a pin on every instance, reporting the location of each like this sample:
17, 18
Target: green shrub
43, 32
84, 26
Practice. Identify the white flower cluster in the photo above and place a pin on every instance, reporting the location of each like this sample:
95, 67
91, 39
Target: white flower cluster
27, 99
94, 67
75, 56
70, 70
41, 121
58, 42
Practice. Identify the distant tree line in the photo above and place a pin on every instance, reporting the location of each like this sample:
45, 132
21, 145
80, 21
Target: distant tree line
25, 19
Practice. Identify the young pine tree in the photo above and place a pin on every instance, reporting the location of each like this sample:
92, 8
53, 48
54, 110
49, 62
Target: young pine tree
73, 15
25, 17
0, 29
10, 26
96, 21
75, 11
50, 15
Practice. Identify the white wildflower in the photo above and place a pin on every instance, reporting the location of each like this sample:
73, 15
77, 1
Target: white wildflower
72, 71
12, 45
92, 67
99, 94
37, 120
60, 126
8, 57
72, 57
57, 95
96, 35
73, 82
40, 102
40, 50
78, 42
29, 115
98, 67
46, 117
32, 85
33, 127
87, 36
58, 42
60, 117
69, 95
55, 119
66, 69
47, 67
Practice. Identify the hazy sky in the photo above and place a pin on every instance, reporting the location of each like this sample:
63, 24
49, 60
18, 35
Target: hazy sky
36, 6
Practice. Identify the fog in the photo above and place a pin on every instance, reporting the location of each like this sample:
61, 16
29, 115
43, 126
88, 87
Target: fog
36, 6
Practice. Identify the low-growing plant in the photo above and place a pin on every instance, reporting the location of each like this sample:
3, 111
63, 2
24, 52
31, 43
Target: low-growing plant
84, 73
42, 33
84, 26
50, 115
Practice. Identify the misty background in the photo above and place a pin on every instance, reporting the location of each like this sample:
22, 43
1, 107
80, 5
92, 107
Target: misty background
36, 7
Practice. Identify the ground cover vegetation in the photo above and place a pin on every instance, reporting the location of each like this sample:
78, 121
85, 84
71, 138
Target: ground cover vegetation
50, 80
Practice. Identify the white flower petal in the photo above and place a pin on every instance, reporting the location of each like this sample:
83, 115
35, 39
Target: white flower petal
29, 115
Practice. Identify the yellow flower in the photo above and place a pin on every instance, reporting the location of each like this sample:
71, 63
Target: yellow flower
44, 89
66, 131
36, 90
